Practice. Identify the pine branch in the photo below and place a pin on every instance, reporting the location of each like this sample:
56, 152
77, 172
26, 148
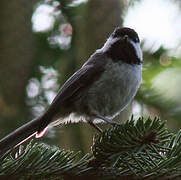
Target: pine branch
141, 150
134, 150
40, 161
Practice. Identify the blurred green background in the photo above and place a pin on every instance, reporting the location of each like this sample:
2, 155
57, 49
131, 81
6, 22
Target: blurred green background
44, 42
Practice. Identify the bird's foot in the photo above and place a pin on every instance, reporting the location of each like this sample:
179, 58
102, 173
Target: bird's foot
95, 126
113, 123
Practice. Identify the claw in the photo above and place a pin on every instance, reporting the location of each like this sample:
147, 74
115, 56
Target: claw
96, 127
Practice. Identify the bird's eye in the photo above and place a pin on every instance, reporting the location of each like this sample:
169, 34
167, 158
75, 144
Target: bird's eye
137, 39
125, 37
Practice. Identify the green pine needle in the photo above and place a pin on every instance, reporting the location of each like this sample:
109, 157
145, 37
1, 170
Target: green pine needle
142, 149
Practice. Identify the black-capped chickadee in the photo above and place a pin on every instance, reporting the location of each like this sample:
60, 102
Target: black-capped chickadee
98, 91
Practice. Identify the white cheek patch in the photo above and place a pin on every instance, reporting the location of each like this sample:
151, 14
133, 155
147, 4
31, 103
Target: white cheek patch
137, 49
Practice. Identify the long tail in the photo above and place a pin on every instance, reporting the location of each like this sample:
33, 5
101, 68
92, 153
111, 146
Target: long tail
21, 134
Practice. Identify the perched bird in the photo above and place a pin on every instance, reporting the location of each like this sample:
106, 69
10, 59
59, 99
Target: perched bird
97, 92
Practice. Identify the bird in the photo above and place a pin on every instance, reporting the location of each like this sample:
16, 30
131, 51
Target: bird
102, 88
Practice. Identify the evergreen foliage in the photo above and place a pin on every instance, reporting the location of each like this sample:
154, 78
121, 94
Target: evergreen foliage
134, 150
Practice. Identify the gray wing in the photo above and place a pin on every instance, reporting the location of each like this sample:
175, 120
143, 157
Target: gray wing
83, 78
78, 80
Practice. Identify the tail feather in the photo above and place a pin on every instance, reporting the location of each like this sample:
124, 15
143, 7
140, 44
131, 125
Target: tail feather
20, 135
